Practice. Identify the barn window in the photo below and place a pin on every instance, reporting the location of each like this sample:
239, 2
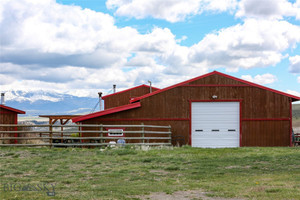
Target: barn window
115, 132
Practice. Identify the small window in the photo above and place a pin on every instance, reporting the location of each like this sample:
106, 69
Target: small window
115, 132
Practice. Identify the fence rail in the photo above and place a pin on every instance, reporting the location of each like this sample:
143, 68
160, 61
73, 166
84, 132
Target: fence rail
83, 135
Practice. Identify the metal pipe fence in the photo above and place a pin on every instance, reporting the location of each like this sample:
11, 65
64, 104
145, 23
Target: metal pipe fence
83, 135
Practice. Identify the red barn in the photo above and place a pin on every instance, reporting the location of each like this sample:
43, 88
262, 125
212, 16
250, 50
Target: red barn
212, 110
9, 115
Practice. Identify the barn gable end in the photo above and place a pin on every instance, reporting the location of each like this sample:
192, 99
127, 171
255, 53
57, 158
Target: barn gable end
123, 97
9, 115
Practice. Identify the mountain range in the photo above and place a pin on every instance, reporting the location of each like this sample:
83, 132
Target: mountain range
50, 103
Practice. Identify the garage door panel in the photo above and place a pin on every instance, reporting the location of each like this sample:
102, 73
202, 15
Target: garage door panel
216, 118
215, 124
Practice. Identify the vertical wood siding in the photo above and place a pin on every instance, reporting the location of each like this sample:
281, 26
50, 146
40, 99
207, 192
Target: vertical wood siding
7, 117
123, 98
269, 109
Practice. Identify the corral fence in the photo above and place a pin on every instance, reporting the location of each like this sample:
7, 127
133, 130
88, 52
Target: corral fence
297, 139
86, 135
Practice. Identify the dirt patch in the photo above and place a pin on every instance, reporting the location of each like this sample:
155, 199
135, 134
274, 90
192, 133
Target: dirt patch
235, 166
159, 172
182, 195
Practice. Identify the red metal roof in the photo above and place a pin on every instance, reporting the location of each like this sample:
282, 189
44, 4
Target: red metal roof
129, 90
137, 104
12, 109
295, 98
106, 112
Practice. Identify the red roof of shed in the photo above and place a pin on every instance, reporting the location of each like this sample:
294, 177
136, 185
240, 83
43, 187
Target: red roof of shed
12, 109
106, 112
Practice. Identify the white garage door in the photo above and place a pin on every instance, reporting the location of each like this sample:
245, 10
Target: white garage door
215, 124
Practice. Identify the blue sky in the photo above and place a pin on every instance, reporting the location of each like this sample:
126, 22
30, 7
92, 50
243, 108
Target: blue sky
80, 47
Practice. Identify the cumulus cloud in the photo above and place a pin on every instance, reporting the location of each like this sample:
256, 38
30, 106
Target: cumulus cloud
80, 52
178, 10
170, 10
261, 79
298, 79
44, 32
255, 43
58, 47
268, 9
48, 34
292, 92
295, 64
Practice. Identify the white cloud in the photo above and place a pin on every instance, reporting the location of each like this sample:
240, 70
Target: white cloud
67, 49
54, 47
295, 64
48, 33
298, 79
255, 43
261, 79
170, 10
268, 9
292, 92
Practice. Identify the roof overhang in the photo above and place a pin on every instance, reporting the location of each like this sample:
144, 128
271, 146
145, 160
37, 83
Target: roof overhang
146, 86
12, 109
106, 112
293, 97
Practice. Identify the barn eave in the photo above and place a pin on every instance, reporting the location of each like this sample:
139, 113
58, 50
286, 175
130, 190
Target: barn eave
13, 109
293, 97
107, 112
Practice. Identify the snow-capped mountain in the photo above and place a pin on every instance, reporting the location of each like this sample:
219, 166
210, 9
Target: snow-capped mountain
49, 103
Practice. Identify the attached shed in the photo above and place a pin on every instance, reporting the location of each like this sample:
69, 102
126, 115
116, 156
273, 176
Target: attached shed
123, 97
212, 110
9, 115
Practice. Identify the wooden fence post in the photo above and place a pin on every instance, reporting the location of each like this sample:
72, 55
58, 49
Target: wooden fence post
143, 133
101, 133
170, 135
51, 135
62, 131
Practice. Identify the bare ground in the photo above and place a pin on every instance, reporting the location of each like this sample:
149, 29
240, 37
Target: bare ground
182, 195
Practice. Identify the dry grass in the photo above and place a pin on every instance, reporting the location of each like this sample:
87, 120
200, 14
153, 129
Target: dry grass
175, 173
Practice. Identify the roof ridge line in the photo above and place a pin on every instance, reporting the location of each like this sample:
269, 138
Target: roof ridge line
13, 109
209, 74
128, 89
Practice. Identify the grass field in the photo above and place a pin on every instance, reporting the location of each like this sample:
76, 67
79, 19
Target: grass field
128, 173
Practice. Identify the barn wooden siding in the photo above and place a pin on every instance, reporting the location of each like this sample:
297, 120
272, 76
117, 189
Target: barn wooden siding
7, 117
265, 115
123, 97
